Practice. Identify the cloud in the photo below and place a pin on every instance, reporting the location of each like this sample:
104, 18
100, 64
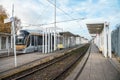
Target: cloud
41, 11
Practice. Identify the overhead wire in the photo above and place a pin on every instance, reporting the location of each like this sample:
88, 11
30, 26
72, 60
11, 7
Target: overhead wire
64, 11
65, 14
60, 9
35, 21
56, 22
72, 19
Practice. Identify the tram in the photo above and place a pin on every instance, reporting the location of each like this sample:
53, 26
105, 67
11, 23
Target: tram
28, 41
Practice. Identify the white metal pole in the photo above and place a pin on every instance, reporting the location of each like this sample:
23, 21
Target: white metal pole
68, 41
109, 42
75, 41
63, 41
100, 40
11, 37
48, 40
7, 45
13, 27
51, 41
43, 42
54, 41
0, 43
58, 39
79, 40
105, 41
55, 28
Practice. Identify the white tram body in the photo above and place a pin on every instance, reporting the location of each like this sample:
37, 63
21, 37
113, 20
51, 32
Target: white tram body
32, 41
28, 41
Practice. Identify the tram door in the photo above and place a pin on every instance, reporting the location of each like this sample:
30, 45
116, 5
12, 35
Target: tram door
36, 43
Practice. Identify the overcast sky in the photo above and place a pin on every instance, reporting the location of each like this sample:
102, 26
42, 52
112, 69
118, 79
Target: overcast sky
41, 12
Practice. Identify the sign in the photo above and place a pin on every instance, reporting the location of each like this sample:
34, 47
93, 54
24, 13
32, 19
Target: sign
8, 20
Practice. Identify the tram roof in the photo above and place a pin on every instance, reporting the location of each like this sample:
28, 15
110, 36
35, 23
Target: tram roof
31, 31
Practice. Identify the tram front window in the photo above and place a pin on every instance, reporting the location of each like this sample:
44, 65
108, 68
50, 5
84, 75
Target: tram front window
20, 40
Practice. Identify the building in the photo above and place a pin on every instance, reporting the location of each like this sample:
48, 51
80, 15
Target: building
5, 42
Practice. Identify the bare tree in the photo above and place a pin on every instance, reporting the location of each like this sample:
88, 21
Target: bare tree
6, 28
17, 23
3, 15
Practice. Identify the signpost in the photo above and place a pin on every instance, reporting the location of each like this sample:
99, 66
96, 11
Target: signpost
13, 30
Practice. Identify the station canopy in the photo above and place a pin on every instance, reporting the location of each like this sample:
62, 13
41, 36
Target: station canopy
66, 34
95, 28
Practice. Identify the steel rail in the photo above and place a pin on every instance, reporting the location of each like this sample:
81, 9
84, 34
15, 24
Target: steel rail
69, 66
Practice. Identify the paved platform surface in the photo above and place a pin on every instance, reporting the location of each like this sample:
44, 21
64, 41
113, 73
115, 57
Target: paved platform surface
98, 68
8, 62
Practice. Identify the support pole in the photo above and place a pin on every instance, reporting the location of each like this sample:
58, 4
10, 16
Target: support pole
51, 41
54, 40
11, 38
105, 41
58, 39
13, 27
55, 28
65, 42
43, 43
68, 40
109, 43
0, 42
7, 45
99, 42
48, 40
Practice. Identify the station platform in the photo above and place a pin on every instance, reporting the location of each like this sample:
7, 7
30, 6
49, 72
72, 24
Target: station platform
26, 61
8, 62
97, 68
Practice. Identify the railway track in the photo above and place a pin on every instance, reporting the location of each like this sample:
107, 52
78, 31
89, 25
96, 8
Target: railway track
53, 69
58, 77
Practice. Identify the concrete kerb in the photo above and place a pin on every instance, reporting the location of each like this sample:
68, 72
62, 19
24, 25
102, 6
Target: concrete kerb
32, 64
79, 67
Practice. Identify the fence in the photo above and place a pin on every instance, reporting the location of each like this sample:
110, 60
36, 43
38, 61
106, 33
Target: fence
116, 41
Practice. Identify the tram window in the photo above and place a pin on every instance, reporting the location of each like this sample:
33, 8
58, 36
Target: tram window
28, 42
32, 43
35, 39
39, 40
